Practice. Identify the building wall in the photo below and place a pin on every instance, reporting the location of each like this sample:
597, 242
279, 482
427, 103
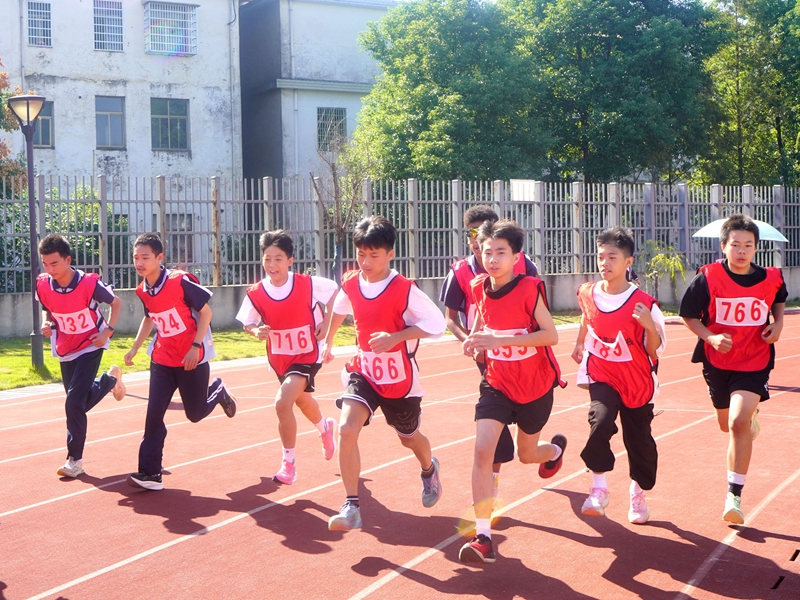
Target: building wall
71, 73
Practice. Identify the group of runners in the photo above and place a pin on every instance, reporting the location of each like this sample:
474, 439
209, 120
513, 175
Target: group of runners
497, 308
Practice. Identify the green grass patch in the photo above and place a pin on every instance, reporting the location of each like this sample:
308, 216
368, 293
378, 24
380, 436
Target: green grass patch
16, 369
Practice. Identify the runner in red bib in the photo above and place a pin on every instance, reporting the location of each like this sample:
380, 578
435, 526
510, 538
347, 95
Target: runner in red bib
619, 342
514, 329
290, 312
728, 306
176, 306
78, 335
390, 315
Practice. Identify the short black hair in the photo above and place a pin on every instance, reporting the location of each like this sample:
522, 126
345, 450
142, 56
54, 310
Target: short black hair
278, 238
619, 237
738, 222
152, 240
504, 229
479, 214
53, 243
375, 232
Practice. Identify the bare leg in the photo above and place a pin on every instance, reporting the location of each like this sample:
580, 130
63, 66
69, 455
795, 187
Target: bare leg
354, 415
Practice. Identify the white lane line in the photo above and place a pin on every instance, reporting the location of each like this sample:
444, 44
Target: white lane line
712, 559
456, 537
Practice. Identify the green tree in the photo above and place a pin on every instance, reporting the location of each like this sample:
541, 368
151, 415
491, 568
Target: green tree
454, 96
625, 89
9, 167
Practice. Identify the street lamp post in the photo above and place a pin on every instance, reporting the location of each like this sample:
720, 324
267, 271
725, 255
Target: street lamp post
27, 109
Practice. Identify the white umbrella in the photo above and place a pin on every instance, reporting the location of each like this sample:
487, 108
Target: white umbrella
765, 231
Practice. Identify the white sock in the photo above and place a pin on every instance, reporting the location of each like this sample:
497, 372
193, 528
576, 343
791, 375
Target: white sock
599, 480
736, 478
557, 454
483, 526
288, 454
635, 488
322, 425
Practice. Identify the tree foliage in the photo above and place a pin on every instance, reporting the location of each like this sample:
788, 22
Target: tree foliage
9, 167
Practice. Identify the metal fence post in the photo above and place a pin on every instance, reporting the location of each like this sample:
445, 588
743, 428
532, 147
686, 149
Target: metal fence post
457, 220
685, 239
716, 201
650, 210
366, 196
499, 197
778, 221
747, 199
577, 226
538, 224
318, 222
269, 200
40, 201
161, 200
412, 197
102, 186
613, 204
216, 234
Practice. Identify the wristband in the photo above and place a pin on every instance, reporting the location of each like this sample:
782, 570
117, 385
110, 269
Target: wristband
197, 345
111, 329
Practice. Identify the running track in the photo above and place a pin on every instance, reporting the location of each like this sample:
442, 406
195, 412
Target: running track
222, 529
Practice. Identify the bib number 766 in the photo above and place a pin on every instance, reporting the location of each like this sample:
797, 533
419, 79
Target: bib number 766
741, 312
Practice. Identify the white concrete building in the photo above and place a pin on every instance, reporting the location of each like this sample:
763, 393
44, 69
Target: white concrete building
134, 88
302, 72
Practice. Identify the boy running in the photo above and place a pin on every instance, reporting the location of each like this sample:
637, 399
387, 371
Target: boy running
727, 306
618, 364
290, 306
78, 335
390, 314
460, 310
177, 305
513, 327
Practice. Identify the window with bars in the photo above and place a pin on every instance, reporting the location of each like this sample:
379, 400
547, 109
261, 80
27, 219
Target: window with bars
169, 124
110, 122
108, 25
43, 133
39, 25
170, 29
331, 128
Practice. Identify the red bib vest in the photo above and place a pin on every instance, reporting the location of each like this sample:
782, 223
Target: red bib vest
617, 352
291, 322
523, 374
464, 275
390, 373
75, 321
173, 319
741, 312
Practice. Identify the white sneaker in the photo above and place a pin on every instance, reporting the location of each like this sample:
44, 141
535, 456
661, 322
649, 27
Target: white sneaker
348, 518
733, 510
119, 390
71, 468
595, 504
638, 512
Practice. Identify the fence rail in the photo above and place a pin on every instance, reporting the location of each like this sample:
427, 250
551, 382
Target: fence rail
212, 225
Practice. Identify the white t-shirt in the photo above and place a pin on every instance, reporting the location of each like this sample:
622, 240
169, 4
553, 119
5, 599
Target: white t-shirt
322, 290
611, 302
421, 311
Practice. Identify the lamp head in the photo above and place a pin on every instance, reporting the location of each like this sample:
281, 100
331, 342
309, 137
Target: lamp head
26, 108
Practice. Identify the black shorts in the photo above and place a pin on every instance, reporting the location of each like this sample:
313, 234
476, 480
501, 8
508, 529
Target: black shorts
307, 371
529, 417
401, 413
722, 383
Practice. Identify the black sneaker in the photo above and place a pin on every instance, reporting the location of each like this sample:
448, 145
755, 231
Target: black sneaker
477, 550
223, 397
551, 467
148, 482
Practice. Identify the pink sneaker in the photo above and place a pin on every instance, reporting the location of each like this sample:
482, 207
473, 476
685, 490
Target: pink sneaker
638, 512
328, 439
596, 503
287, 475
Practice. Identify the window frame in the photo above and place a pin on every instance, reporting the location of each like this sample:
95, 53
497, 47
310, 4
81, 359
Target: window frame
107, 24
45, 28
157, 37
169, 118
108, 113
37, 131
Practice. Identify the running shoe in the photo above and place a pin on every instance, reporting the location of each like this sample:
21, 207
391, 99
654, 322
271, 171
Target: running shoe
477, 550
595, 504
733, 511
551, 467
328, 439
348, 517
287, 475
148, 482
223, 396
432, 486
118, 390
638, 512
755, 427
72, 468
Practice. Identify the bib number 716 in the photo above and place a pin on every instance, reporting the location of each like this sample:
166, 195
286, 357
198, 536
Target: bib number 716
291, 341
